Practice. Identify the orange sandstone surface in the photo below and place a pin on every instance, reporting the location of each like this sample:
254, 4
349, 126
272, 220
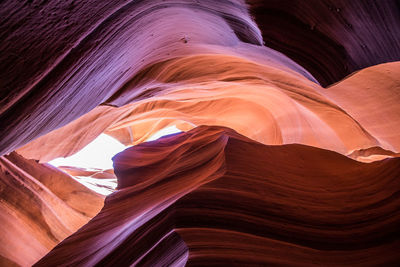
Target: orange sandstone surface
39, 207
262, 102
213, 197
291, 132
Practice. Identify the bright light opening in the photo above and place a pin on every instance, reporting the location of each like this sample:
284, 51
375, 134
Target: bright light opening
164, 132
97, 156
98, 153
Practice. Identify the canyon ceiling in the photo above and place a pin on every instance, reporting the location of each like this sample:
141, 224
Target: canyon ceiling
290, 143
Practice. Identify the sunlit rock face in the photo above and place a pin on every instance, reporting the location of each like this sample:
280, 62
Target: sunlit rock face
85, 52
272, 107
276, 178
88, 53
211, 196
39, 207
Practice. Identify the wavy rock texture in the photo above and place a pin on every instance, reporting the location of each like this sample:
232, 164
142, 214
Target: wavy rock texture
39, 207
262, 102
211, 196
331, 39
71, 70
370, 96
88, 53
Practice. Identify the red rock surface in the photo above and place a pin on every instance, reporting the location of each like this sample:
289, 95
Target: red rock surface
262, 184
87, 53
215, 197
276, 107
39, 207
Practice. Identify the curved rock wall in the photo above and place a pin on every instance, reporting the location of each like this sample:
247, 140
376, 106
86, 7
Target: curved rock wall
39, 207
263, 102
85, 52
331, 39
230, 200
71, 70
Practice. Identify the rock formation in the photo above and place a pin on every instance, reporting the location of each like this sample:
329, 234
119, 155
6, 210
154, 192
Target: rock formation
291, 124
88, 53
272, 107
331, 39
39, 207
213, 197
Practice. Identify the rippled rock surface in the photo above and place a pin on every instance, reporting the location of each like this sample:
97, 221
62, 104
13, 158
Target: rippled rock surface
297, 164
39, 207
211, 196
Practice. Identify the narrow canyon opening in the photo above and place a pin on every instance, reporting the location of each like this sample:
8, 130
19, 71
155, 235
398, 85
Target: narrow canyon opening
92, 166
199, 133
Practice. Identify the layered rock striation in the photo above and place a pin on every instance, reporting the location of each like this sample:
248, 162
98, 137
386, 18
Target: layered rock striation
296, 95
119, 52
211, 196
269, 104
39, 207
331, 39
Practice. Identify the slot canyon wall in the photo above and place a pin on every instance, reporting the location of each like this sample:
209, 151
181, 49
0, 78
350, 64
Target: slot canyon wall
40, 206
291, 132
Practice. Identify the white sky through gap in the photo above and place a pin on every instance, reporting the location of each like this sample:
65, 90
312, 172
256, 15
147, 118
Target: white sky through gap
98, 154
